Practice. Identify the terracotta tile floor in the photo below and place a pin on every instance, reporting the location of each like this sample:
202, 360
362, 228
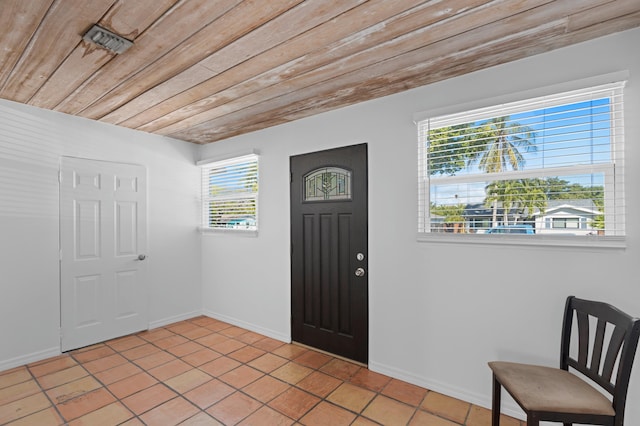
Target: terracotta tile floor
207, 372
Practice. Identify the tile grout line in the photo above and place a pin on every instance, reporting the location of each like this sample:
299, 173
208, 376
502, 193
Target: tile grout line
242, 363
291, 385
166, 350
282, 351
315, 369
55, 407
118, 400
71, 354
324, 398
146, 371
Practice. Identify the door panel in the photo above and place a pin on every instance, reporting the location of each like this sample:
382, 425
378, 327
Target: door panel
87, 289
102, 232
87, 221
328, 229
127, 228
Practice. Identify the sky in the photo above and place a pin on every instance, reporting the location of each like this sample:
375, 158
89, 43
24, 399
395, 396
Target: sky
577, 133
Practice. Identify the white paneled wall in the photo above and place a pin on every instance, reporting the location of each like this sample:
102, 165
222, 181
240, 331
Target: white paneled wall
438, 312
32, 142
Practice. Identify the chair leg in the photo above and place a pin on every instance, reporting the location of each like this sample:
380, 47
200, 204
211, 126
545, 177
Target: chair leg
532, 421
495, 405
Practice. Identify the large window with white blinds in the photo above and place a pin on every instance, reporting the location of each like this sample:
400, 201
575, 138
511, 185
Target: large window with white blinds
230, 194
549, 166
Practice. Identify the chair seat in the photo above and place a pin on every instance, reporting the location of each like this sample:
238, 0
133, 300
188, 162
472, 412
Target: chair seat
539, 388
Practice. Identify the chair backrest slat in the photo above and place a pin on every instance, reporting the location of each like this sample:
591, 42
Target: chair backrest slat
583, 338
596, 353
615, 344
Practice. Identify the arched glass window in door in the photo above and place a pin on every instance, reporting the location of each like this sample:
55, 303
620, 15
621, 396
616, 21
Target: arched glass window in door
327, 184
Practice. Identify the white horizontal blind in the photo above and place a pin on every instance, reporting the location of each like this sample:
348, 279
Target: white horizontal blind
550, 165
230, 194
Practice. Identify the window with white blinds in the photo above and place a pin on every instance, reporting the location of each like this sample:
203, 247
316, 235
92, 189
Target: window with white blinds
230, 194
551, 165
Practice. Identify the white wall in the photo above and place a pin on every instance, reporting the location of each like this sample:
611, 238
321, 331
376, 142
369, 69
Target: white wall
438, 312
32, 142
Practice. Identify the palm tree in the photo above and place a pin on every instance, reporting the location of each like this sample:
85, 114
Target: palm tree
451, 148
505, 191
532, 196
502, 141
453, 215
523, 195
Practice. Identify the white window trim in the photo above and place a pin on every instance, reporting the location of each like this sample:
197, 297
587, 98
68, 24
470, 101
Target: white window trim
577, 242
585, 242
237, 232
524, 94
230, 159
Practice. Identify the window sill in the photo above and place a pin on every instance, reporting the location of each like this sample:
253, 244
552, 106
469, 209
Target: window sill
237, 232
527, 240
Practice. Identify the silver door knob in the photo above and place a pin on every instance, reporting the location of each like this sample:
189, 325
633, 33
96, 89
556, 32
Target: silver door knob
141, 257
360, 272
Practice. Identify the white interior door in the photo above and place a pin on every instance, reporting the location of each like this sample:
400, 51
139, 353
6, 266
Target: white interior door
103, 244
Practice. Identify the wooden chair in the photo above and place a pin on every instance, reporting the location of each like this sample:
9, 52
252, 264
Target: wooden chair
557, 395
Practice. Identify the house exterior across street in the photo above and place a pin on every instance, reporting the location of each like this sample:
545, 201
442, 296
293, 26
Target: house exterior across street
570, 217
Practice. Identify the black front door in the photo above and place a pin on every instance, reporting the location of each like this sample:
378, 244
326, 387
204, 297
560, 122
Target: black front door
329, 290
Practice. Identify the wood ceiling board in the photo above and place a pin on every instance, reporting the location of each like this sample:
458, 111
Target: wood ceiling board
346, 57
324, 60
354, 20
205, 70
237, 22
163, 92
19, 21
256, 43
335, 97
129, 18
422, 74
418, 75
186, 18
303, 17
600, 29
64, 24
87, 58
454, 49
253, 108
601, 13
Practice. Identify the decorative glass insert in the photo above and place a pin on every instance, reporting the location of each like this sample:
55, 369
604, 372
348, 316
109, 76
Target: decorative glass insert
327, 184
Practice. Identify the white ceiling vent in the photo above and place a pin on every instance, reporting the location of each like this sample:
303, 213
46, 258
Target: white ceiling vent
107, 39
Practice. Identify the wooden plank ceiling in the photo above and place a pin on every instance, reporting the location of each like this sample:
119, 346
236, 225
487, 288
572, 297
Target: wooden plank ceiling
205, 70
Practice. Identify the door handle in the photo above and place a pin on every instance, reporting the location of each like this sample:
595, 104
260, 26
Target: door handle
360, 272
141, 257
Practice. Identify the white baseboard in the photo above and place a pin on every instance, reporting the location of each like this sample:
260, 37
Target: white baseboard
52, 352
481, 400
171, 320
29, 358
248, 326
